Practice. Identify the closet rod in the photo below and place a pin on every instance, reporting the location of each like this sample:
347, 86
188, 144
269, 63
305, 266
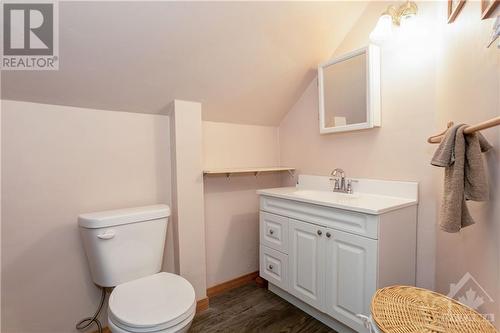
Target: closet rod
468, 130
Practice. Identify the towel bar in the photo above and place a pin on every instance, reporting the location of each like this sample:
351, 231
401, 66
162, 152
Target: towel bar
468, 130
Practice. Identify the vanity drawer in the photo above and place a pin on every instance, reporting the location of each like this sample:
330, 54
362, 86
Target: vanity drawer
340, 219
274, 231
274, 267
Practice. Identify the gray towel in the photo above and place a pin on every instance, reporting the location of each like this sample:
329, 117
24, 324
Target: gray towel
464, 177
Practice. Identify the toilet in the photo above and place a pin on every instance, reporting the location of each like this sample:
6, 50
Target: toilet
125, 250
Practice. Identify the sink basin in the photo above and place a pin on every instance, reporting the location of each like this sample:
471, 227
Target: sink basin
326, 196
364, 202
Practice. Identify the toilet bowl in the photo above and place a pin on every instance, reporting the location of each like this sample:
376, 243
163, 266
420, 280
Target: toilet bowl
125, 249
162, 302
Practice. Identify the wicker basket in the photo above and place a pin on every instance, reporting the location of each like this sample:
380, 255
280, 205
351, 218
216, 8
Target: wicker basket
402, 309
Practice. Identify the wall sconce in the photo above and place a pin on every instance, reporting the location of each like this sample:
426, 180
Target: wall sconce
400, 16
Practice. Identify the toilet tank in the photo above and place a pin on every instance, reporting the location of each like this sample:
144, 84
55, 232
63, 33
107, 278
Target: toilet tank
126, 244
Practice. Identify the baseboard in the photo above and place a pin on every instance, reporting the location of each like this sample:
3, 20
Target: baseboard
231, 284
261, 283
202, 305
104, 330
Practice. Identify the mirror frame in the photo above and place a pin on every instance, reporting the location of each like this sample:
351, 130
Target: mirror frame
373, 99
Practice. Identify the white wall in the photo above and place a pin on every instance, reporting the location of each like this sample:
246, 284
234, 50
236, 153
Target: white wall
58, 162
231, 206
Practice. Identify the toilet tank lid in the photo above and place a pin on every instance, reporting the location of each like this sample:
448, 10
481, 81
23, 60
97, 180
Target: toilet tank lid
123, 216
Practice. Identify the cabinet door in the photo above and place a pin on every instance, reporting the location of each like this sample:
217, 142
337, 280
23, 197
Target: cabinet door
306, 262
351, 276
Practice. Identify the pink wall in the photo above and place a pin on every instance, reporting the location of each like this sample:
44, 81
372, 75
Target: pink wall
78, 160
187, 193
397, 150
437, 73
468, 91
0, 209
231, 206
59, 162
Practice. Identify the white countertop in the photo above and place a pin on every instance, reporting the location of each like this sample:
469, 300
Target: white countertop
368, 203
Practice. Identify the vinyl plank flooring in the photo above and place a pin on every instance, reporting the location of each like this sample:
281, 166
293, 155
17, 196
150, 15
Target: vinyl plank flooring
250, 309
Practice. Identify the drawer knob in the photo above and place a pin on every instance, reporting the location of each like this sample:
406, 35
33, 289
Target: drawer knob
271, 231
271, 267
320, 232
328, 234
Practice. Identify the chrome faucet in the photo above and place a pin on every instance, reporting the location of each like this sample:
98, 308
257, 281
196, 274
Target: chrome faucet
340, 183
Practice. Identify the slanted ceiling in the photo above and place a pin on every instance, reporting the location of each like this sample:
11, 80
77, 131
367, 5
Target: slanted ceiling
246, 62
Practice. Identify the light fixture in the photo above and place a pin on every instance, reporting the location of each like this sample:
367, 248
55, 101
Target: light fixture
383, 29
403, 15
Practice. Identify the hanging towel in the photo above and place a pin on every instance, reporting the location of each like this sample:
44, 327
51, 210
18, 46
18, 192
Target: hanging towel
464, 176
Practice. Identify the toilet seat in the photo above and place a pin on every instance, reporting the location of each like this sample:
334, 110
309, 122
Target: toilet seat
182, 327
162, 302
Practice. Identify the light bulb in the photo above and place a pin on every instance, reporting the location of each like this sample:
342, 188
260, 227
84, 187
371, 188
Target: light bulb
409, 27
409, 24
382, 30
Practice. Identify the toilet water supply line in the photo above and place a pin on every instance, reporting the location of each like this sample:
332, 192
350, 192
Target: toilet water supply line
87, 322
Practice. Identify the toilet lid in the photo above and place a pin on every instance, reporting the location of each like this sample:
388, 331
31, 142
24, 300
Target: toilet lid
163, 299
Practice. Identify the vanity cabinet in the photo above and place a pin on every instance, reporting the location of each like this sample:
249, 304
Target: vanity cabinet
333, 260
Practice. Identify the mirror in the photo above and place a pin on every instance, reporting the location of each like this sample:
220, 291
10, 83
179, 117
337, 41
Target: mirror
349, 91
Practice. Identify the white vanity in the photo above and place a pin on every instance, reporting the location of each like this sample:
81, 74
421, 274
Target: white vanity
327, 252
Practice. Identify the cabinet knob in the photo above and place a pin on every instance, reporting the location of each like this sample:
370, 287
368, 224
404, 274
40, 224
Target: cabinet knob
320, 232
271, 267
328, 234
271, 231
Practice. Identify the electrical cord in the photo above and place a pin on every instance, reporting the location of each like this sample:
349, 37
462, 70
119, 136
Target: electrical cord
87, 322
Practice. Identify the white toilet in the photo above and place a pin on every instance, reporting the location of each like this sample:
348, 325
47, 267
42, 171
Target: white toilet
125, 250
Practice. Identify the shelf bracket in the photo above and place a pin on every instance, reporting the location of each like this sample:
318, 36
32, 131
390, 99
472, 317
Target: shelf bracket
291, 173
228, 176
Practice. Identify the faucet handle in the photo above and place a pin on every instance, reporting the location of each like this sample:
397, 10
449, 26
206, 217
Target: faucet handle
349, 185
336, 183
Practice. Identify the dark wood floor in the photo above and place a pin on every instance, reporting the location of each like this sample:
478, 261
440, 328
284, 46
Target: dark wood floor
253, 309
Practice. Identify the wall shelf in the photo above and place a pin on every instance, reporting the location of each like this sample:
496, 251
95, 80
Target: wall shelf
256, 171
